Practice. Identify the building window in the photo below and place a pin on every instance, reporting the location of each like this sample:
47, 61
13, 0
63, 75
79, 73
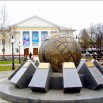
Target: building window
17, 50
35, 38
26, 38
44, 35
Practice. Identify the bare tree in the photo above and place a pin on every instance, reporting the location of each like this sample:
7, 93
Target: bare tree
3, 28
96, 36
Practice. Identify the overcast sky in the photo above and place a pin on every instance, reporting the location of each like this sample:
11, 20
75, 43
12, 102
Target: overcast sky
75, 14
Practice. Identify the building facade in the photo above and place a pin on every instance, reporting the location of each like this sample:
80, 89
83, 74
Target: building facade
30, 33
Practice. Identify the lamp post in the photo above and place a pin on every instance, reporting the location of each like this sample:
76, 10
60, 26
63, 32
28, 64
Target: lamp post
19, 52
12, 42
3, 50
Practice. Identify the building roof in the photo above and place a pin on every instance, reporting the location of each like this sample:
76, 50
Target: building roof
35, 21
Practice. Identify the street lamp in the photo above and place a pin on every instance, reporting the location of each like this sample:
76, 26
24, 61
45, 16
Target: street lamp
19, 52
12, 42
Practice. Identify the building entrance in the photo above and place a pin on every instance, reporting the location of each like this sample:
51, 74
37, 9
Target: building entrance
26, 51
35, 51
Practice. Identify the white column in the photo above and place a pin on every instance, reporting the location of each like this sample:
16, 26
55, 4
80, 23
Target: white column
21, 42
39, 38
48, 33
30, 48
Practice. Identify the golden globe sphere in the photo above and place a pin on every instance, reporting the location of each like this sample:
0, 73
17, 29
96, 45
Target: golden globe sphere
59, 48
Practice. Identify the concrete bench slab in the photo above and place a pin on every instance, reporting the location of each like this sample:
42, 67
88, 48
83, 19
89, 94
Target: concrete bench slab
93, 77
41, 78
71, 80
22, 78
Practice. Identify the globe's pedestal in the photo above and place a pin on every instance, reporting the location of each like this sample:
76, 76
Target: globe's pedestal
56, 50
9, 92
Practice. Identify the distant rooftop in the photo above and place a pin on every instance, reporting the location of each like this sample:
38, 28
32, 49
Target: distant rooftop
66, 28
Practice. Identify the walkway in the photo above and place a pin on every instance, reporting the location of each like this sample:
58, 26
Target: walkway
3, 75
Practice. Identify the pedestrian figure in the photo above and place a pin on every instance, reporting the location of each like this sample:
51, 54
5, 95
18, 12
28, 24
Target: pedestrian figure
94, 55
30, 55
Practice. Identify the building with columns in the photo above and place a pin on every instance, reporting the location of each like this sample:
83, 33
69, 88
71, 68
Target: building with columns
30, 33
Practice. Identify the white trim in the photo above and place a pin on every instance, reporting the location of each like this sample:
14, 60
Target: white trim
30, 38
39, 39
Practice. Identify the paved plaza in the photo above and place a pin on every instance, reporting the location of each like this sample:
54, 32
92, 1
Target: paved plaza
89, 96
3, 76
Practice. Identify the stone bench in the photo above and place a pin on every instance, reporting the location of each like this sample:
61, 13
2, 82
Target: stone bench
71, 80
93, 77
23, 76
41, 78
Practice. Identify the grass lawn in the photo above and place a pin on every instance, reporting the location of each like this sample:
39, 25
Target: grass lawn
9, 62
6, 68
